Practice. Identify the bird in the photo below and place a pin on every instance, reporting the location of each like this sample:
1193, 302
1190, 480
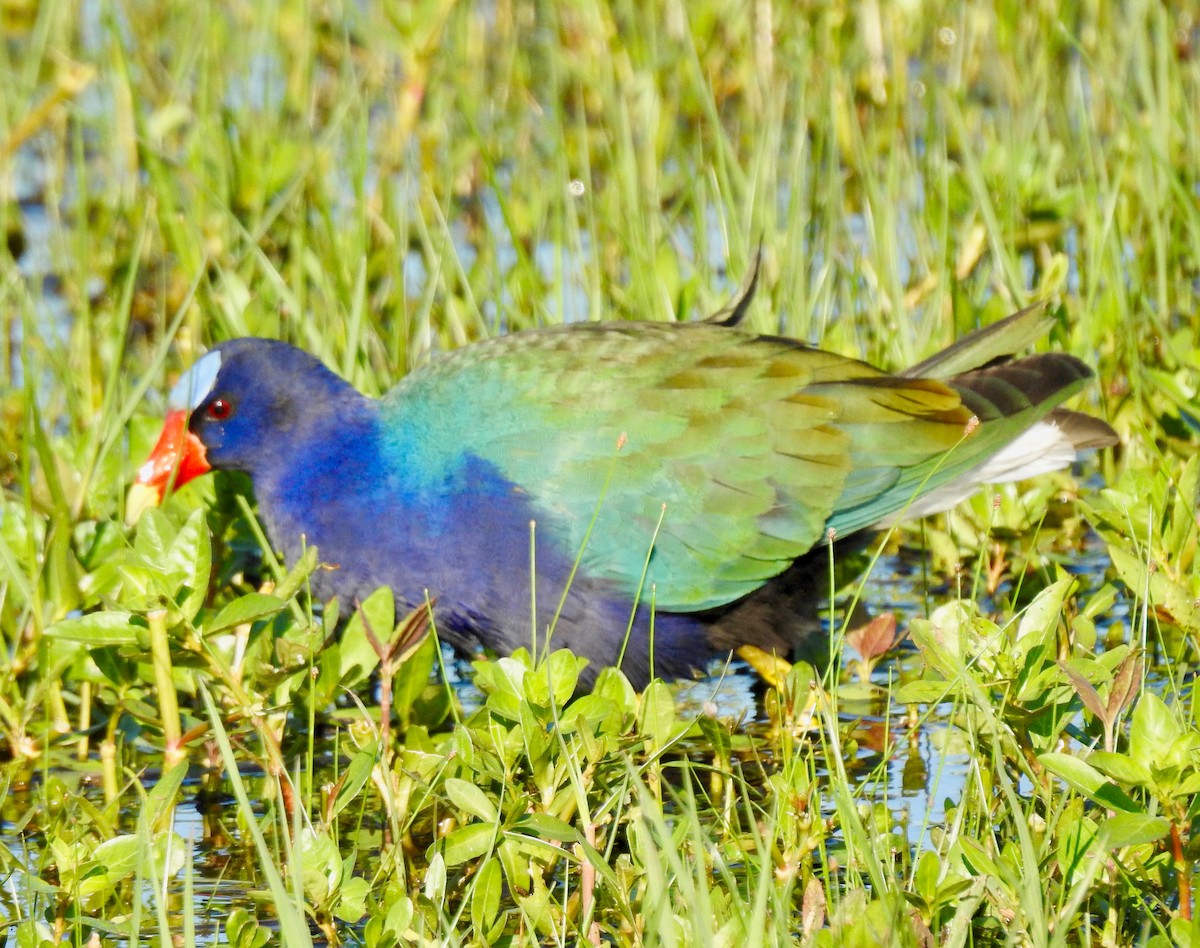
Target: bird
646, 494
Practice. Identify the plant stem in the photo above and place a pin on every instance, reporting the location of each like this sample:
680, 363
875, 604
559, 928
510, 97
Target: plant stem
1183, 873
164, 681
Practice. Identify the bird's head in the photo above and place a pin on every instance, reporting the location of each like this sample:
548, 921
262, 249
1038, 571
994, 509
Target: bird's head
245, 404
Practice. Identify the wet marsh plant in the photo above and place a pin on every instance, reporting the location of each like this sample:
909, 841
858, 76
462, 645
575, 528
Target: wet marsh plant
376, 182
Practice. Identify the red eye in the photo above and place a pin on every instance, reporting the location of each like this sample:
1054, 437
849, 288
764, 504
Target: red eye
219, 409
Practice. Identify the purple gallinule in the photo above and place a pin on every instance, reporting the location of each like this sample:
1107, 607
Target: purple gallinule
684, 467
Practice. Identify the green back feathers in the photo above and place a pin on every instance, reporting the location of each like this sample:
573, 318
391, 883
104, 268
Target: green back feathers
729, 454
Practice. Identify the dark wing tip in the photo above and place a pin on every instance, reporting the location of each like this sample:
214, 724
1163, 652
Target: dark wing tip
1084, 431
1000, 391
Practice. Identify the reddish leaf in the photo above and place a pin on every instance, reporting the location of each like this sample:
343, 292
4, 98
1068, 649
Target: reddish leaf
874, 638
1086, 691
1126, 682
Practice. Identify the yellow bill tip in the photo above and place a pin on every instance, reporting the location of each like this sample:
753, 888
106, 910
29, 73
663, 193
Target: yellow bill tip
140, 497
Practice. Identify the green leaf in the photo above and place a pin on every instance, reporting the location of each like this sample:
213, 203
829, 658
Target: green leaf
243, 930
352, 900
399, 916
511, 671
658, 712
1132, 829
952, 635
529, 846
612, 684
170, 854
1079, 774
1121, 767
717, 736
297, 577
518, 870
1152, 730
469, 798
925, 691
467, 842
154, 536
118, 857
190, 557
1077, 842
545, 826
435, 879
925, 878
358, 772
561, 668
858, 692
978, 859
504, 704
1100, 603
1088, 780
162, 796
1041, 617
592, 712
358, 653
537, 745
378, 611
1183, 935
1038, 679
320, 864
98, 629
485, 899
1183, 513
503, 682
1172, 598
412, 678
244, 609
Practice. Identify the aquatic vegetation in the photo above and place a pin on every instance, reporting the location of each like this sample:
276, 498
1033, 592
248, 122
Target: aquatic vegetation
194, 754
